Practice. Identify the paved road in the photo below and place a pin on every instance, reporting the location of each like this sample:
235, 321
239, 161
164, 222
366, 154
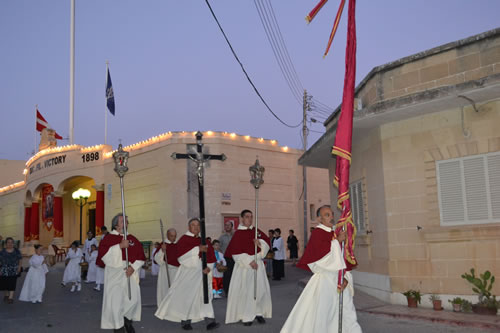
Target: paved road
67, 312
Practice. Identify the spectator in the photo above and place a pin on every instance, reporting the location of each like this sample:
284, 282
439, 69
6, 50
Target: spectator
10, 269
279, 256
293, 246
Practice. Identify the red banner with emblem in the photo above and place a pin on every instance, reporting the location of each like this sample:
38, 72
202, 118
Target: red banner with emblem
48, 207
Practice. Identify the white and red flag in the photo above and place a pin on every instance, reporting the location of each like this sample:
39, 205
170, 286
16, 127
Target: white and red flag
41, 123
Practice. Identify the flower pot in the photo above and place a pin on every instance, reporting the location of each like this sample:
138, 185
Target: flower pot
484, 310
412, 303
437, 305
457, 307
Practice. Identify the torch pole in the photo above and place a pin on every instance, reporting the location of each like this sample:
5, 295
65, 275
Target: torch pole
255, 245
125, 235
165, 254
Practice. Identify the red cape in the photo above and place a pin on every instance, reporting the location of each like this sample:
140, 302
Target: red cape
135, 250
318, 246
242, 242
186, 243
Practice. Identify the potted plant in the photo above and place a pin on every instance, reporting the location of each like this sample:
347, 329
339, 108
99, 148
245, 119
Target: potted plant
413, 297
436, 302
482, 286
456, 303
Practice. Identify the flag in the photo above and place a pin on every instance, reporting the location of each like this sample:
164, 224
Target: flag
343, 138
110, 96
41, 123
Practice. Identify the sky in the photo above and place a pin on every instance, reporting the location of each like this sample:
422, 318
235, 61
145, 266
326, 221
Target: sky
172, 69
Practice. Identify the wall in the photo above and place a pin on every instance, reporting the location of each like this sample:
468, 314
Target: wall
433, 258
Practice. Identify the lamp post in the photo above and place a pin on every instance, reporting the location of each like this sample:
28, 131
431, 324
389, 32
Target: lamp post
121, 167
256, 179
81, 196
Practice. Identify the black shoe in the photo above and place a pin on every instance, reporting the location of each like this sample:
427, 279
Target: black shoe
120, 330
213, 325
187, 327
128, 325
260, 320
248, 323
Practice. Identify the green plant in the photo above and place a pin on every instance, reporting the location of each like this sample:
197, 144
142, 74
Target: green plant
466, 306
456, 300
482, 286
414, 294
434, 297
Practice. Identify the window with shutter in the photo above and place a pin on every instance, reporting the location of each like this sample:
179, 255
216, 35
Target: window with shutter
469, 189
357, 204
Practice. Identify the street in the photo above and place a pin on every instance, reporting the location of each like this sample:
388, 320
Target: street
63, 311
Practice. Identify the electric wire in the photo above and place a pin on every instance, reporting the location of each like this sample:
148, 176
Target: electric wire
245, 72
270, 34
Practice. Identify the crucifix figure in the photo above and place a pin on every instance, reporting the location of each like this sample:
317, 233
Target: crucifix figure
200, 159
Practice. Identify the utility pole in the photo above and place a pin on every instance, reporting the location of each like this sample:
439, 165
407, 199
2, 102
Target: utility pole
305, 108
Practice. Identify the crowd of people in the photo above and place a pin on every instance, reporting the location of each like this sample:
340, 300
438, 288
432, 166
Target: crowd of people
238, 266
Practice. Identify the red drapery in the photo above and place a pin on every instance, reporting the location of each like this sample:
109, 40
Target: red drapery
27, 223
58, 217
35, 221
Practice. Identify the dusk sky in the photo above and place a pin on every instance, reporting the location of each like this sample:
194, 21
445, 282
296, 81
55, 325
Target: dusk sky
172, 70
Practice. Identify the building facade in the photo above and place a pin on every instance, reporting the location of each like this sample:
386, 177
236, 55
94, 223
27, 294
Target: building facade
425, 173
40, 209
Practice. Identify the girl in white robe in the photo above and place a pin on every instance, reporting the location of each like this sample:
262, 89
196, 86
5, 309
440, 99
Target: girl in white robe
92, 273
73, 271
34, 283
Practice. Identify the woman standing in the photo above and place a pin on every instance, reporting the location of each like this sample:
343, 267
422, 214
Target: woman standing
293, 245
10, 268
34, 283
73, 271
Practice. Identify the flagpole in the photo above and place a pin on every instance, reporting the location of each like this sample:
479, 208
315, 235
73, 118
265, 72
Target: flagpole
106, 106
36, 122
72, 74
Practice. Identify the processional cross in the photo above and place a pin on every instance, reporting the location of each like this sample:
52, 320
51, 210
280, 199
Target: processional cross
201, 159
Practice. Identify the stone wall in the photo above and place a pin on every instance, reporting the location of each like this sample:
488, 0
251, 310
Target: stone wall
432, 258
450, 64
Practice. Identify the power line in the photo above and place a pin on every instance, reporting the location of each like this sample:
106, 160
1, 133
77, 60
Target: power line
278, 53
245, 72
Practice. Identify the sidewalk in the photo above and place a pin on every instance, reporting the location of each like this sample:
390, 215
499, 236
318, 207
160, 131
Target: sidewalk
369, 304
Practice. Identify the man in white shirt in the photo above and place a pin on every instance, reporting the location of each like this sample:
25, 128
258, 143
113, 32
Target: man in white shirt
279, 256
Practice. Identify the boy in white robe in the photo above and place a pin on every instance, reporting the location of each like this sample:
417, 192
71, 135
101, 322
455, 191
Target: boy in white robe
184, 300
118, 311
34, 283
168, 250
316, 310
241, 305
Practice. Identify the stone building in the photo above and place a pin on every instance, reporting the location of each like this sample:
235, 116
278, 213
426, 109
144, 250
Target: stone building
39, 206
425, 174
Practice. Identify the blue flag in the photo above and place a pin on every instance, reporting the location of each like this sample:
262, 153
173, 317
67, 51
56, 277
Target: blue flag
110, 96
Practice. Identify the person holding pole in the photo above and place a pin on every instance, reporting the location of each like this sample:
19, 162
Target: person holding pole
119, 308
184, 302
241, 304
317, 309
168, 252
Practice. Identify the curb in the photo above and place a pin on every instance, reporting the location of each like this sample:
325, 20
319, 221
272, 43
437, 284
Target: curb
456, 322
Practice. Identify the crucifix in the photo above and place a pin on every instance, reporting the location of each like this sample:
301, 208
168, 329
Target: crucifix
201, 159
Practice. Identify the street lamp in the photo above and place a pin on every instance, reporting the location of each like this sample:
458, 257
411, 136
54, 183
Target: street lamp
80, 196
256, 179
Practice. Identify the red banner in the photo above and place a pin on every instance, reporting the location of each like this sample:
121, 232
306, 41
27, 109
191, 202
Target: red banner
48, 207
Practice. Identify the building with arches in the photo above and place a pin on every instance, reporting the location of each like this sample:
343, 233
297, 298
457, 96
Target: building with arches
40, 209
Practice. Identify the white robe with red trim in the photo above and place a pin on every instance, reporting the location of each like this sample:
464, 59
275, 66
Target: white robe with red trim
316, 310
